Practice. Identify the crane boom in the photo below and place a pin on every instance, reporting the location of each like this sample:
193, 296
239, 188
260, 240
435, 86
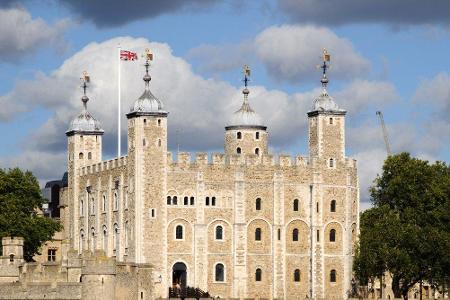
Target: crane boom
385, 134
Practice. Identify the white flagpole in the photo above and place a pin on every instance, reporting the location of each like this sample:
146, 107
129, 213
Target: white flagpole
118, 103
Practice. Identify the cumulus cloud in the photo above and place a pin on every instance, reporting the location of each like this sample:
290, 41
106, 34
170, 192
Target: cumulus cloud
21, 35
199, 107
402, 12
110, 13
289, 53
435, 92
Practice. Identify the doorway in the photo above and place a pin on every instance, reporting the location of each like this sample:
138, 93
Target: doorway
179, 275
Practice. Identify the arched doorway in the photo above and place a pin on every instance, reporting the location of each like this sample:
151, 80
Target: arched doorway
179, 274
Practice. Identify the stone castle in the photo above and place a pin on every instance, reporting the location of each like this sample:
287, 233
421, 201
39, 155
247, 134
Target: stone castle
240, 224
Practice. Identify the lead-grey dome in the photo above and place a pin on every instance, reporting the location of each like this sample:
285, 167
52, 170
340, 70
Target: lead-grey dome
85, 123
325, 103
245, 116
147, 103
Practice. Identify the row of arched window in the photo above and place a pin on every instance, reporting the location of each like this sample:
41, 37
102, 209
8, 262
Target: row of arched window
295, 205
173, 200
104, 204
81, 155
239, 150
179, 232
239, 135
115, 239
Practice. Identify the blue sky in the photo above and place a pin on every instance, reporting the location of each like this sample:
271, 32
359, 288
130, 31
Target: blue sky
394, 62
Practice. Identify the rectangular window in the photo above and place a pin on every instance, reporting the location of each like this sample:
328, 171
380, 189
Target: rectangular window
152, 213
213, 201
279, 234
207, 201
318, 236
317, 206
192, 201
51, 255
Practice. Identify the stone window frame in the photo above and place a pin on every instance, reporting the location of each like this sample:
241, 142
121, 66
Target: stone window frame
295, 235
238, 150
258, 204
296, 205
183, 232
239, 135
331, 121
51, 254
332, 235
224, 272
256, 151
215, 233
331, 163
104, 203
192, 201
333, 205
333, 276
258, 235
258, 274
297, 276
257, 136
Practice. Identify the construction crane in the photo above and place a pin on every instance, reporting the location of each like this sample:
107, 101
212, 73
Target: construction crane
385, 134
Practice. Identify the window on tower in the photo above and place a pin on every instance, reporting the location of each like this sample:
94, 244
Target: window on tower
331, 163
295, 204
239, 135
258, 204
257, 135
257, 151
332, 235
238, 150
258, 234
333, 276
179, 232
333, 206
297, 275
295, 235
258, 275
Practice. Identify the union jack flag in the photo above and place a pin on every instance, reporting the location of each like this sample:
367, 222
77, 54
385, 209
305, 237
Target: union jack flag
128, 55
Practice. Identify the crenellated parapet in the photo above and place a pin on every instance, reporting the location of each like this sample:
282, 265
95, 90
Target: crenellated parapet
104, 166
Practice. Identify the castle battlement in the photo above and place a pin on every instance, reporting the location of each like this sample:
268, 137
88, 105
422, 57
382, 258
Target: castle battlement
105, 165
188, 160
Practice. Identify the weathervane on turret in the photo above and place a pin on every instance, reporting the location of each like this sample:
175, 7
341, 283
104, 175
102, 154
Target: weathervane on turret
246, 71
325, 66
85, 79
148, 56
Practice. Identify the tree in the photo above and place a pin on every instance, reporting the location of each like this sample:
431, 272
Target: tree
20, 202
407, 232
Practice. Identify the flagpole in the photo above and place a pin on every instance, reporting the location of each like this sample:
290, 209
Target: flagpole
118, 102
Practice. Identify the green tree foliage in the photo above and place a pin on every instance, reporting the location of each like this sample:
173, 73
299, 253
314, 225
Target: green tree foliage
407, 232
20, 202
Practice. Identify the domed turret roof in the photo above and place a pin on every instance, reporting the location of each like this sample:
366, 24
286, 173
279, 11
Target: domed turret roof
325, 102
147, 103
85, 123
245, 116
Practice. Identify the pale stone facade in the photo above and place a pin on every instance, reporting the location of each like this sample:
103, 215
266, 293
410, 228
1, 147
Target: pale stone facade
243, 224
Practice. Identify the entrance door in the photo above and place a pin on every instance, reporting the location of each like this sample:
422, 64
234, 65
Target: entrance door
179, 275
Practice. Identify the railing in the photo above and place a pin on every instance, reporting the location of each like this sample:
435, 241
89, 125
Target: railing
188, 292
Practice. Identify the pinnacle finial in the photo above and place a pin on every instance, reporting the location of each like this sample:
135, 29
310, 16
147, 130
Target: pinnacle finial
148, 55
326, 57
85, 79
245, 91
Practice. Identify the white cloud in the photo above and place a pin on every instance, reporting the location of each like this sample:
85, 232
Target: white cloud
199, 107
21, 35
289, 53
435, 93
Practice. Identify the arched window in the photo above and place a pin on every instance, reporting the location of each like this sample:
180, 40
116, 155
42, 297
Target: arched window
332, 235
257, 135
295, 235
174, 200
126, 234
145, 121
258, 234
105, 239
80, 156
186, 200
258, 275
169, 200
258, 204
213, 201
239, 135
81, 207
257, 151
333, 206
219, 233
331, 163
11, 258
207, 201
331, 121
295, 205
238, 150
89, 155
92, 206
81, 242
220, 273
297, 275
144, 143
159, 122
92, 239
333, 276
159, 142
179, 232
104, 203
116, 201
116, 239
192, 201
